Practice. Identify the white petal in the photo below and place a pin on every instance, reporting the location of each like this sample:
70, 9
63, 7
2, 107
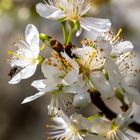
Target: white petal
101, 84
124, 119
106, 46
115, 77
28, 71
16, 79
50, 71
133, 93
100, 126
45, 84
31, 98
71, 77
75, 88
82, 53
71, 61
100, 25
122, 47
23, 74
39, 84
49, 12
32, 38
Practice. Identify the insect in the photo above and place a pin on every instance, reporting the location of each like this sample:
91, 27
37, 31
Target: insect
13, 71
58, 47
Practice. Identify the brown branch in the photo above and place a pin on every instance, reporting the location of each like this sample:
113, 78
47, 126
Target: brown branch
98, 102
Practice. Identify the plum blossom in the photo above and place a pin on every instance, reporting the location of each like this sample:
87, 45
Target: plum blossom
91, 60
120, 126
114, 42
61, 73
27, 55
119, 70
69, 127
75, 11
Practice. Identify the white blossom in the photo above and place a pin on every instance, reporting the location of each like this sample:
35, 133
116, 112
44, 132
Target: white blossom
69, 127
61, 74
91, 60
117, 45
120, 126
118, 71
26, 56
75, 11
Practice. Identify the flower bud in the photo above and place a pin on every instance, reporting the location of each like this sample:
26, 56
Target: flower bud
81, 100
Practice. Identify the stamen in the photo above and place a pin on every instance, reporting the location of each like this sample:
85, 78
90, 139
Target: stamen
117, 36
14, 54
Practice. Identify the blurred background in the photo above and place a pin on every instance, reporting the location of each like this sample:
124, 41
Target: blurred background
27, 122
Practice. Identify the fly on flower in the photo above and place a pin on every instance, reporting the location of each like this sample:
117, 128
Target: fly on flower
27, 55
73, 11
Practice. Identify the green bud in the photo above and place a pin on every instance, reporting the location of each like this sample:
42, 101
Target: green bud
43, 37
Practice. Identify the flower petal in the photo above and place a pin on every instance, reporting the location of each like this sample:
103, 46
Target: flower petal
133, 94
101, 84
71, 61
16, 79
105, 45
96, 126
115, 78
49, 12
23, 74
50, 71
100, 25
45, 84
28, 71
71, 77
39, 84
75, 88
31, 98
32, 38
122, 47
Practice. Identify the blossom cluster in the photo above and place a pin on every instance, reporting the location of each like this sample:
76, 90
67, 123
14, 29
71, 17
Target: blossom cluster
72, 73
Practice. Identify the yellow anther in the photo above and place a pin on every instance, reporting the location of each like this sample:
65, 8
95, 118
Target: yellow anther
92, 56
